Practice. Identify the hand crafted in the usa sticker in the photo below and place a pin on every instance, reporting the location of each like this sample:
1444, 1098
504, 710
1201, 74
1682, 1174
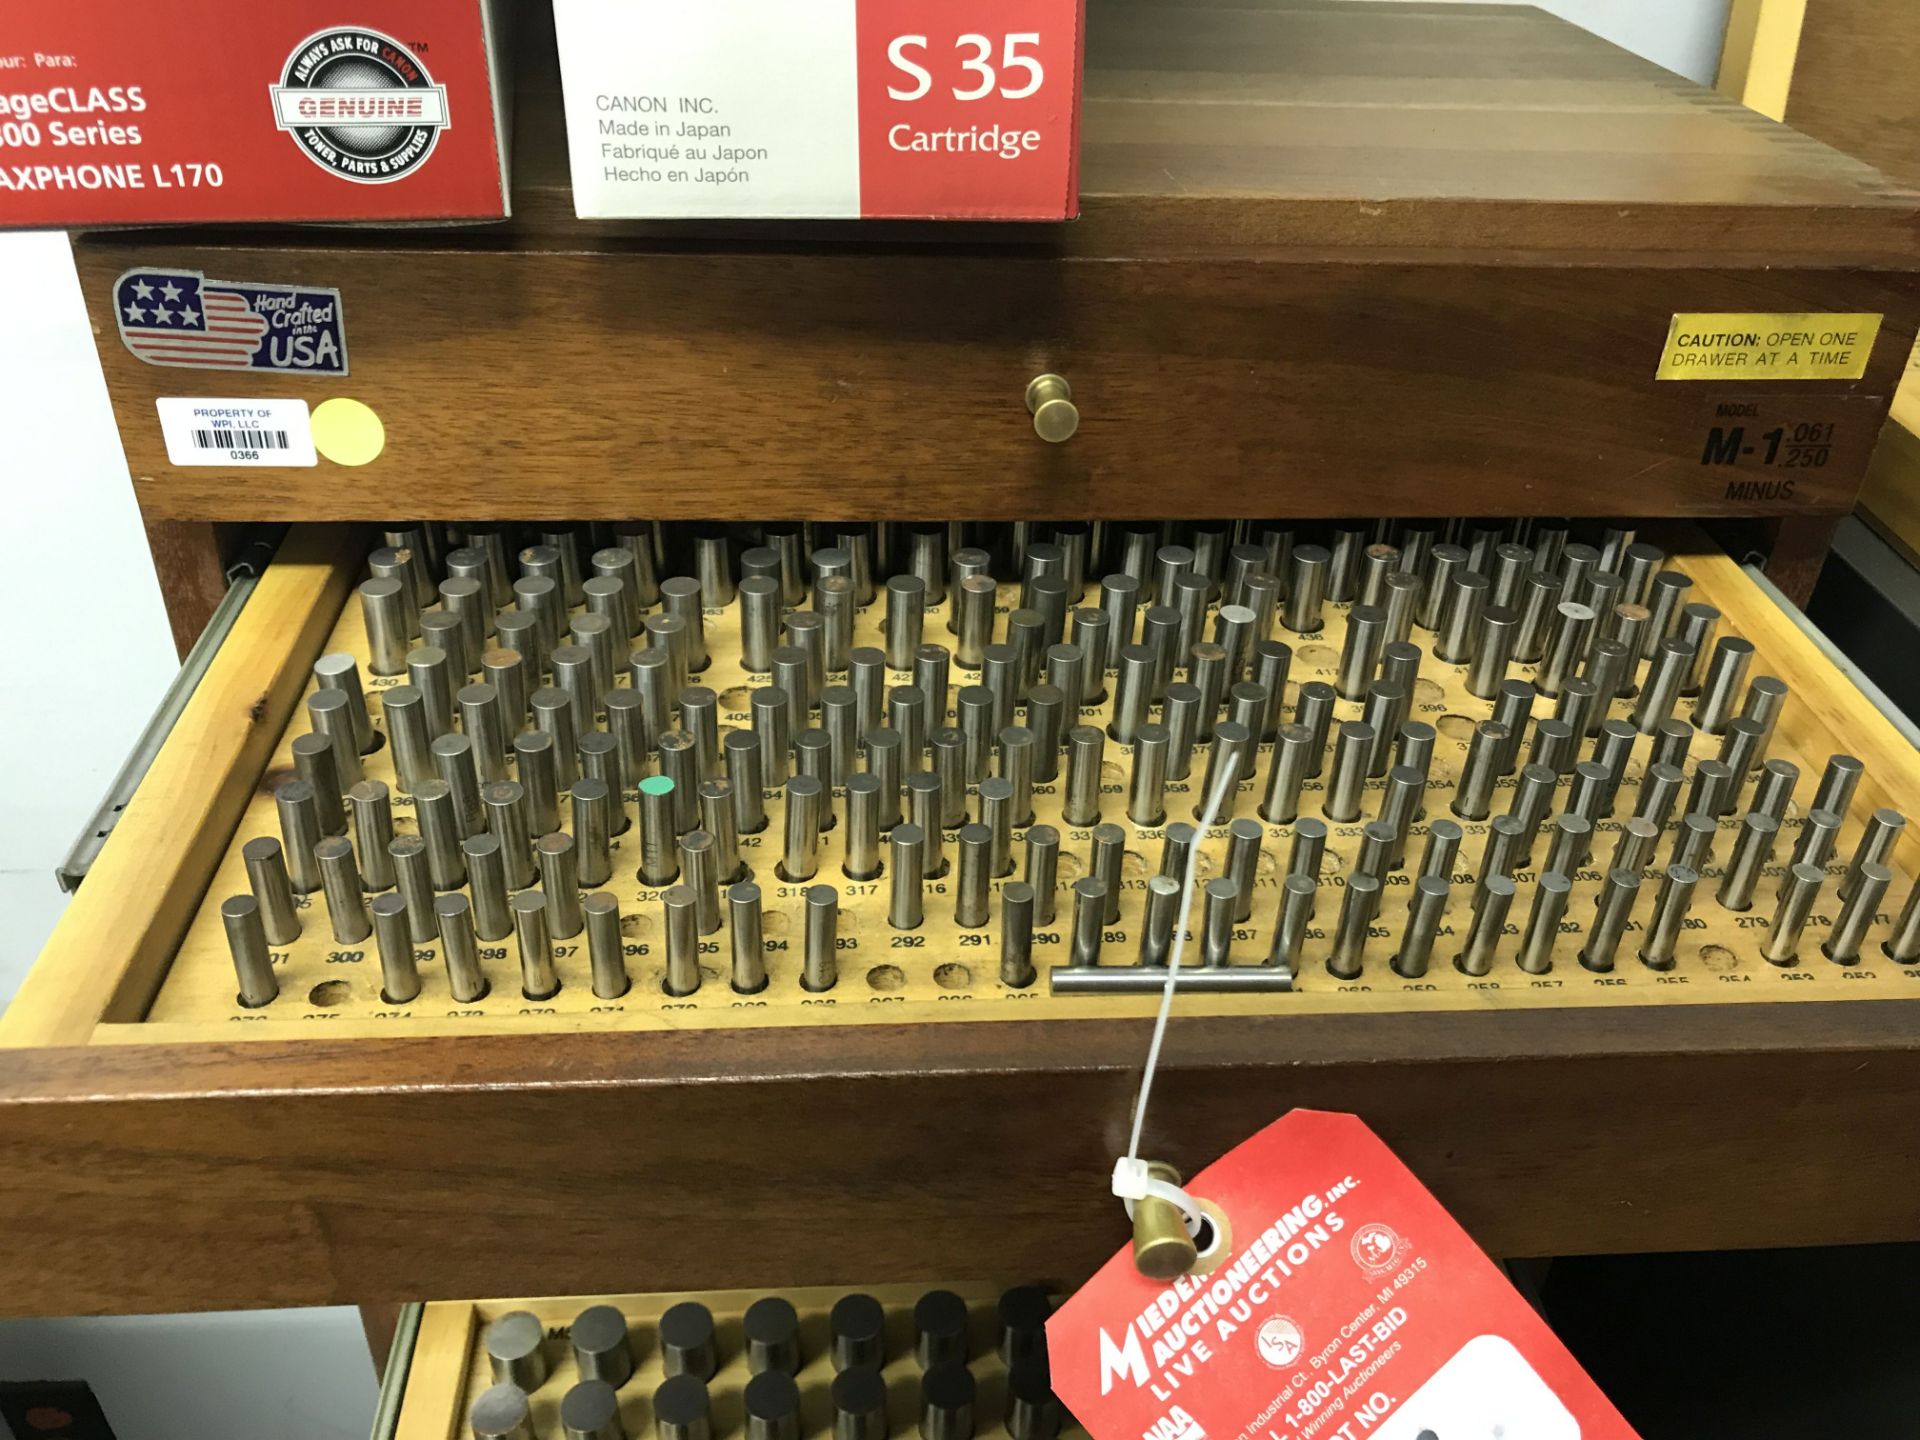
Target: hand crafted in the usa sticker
1344, 1303
180, 317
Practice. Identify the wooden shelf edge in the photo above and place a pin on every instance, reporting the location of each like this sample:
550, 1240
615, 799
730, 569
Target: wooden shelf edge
437, 1370
159, 1178
1129, 227
112, 945
1835, 706
1890, 498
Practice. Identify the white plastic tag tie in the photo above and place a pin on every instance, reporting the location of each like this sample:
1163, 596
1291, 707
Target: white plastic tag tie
1133, 1182
1130, 1180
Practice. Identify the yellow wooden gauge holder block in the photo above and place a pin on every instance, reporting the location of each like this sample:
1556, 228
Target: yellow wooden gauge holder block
113, 961
449, 1366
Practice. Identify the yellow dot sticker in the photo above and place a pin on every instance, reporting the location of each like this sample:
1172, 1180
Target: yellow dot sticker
347, 431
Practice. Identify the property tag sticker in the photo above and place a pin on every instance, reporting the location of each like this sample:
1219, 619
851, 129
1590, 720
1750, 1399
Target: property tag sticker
1736, 346
1345, 1304
208, 430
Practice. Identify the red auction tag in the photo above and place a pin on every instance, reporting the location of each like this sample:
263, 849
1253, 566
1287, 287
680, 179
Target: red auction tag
1345, 1303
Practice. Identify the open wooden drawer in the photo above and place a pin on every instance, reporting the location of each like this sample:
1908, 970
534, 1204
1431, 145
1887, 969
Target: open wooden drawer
178, 1150
445, 1360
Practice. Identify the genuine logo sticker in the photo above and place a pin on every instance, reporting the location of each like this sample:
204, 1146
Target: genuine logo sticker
179, 317
360, 104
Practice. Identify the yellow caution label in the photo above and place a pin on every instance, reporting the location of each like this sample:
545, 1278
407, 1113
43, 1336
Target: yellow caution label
1768, 347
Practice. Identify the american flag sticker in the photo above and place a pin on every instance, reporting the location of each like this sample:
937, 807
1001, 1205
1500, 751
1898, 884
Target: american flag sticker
180, 317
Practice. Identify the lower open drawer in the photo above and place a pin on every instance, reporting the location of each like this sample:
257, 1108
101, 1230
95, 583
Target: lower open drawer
154, 964
546, 1348
1583, 1087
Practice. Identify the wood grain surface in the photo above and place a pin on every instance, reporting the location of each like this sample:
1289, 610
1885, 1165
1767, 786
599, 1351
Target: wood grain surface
168, 1177
1891, 500
1853, 82
114, 943
1853, 87
525, 384
431, 1406
1798, 550
1407, 259
1254, 129
1757, 53
193, 580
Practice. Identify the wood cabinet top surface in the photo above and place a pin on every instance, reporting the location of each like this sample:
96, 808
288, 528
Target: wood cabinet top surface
1258, 126
1233, 124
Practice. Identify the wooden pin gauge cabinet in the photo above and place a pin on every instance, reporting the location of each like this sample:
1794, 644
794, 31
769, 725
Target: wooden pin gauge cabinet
1333, 257
1314, 274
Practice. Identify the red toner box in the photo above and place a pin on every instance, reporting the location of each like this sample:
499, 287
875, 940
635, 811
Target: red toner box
228, 110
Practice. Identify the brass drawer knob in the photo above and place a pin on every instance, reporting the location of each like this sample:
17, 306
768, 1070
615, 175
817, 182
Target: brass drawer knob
1162, 1248
1050, 402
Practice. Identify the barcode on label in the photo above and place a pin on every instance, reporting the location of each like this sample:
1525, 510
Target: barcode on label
240, 439
222, 433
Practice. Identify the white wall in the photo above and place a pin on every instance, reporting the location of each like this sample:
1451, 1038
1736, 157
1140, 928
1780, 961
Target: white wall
275, 1375
81, 575
1683, 35
82, 588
